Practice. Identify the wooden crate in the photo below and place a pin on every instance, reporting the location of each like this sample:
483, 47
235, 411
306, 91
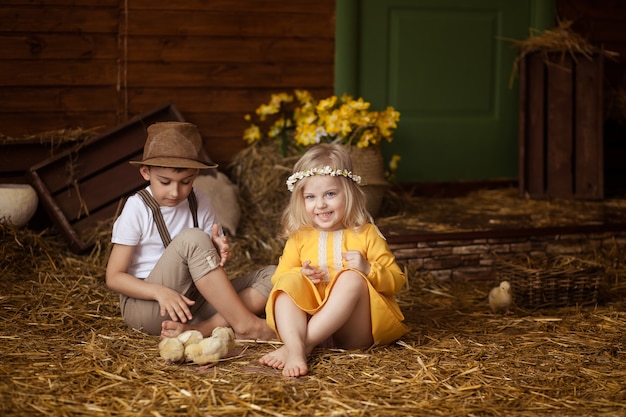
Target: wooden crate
83, 186
561, 126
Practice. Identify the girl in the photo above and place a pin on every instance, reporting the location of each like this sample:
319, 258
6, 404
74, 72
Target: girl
336, 278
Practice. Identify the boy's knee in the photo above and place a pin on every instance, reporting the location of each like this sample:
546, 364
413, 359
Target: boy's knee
195, 236
199, 251
195, 239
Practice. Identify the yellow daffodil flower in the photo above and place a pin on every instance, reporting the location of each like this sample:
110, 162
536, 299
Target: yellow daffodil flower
309, 121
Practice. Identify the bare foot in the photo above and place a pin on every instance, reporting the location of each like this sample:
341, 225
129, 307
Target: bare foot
257, 329
293, 363
275, 359
171, 328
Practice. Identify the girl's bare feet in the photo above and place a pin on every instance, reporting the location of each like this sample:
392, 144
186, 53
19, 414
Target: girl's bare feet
292, 363
275, 359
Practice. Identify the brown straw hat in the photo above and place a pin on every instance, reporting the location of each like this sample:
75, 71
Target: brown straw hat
173, 145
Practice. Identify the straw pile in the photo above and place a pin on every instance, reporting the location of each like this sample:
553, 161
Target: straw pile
494, 209
561, 40
65, 350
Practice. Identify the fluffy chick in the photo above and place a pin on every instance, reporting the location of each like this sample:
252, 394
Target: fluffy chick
225, 333
500, 298
173, 348
212, 348
190, 337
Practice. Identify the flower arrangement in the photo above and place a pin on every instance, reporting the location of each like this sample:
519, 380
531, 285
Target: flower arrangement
307, 121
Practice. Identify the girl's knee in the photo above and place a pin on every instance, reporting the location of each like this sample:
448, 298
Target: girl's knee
352, 278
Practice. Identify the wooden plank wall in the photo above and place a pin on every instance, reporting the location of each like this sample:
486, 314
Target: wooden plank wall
89, 63
602, 23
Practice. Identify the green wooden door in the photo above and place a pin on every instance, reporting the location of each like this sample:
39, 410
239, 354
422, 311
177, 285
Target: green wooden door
445, 66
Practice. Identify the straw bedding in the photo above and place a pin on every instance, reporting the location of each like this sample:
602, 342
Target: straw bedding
65, 350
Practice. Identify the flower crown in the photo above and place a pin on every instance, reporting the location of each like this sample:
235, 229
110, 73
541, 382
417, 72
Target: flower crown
293, 178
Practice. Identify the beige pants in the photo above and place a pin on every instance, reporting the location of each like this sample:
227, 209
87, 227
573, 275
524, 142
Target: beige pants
189, 257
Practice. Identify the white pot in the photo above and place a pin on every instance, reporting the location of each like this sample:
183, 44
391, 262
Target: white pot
18, 203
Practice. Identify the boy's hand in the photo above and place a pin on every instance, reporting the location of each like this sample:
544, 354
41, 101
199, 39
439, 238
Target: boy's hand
174, 304
222, 244
313, 273
355, 260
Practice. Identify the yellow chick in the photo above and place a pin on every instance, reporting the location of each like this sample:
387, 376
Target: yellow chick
212, 348
190, 337
500, 298
173, 348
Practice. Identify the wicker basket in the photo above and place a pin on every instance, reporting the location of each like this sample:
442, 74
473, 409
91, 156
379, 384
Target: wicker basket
551, 281
368, 163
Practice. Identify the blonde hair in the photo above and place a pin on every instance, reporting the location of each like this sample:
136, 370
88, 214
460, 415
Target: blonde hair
319, 156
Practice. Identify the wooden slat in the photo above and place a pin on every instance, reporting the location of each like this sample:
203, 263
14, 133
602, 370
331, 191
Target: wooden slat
228, 24
57, 100
170, 49
87, 224
589, 178
536, 129
214, 101
13, 124
90, 195
60, 19
13, 177
560, 131
610, 10
54, 46
252, 6
20, 155
256, 75
522, 104
60, 73
83, 3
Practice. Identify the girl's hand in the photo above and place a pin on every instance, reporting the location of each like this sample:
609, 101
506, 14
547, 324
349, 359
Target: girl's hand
313, 273
222, 244
355, 260
174, 304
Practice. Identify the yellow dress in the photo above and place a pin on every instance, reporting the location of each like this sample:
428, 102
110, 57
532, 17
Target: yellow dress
324, 250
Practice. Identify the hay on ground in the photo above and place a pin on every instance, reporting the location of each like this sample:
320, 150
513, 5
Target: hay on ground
66, 351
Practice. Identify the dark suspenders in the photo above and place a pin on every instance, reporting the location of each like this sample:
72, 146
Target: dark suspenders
158, 217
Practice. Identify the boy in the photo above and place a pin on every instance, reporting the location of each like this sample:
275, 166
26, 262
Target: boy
168, 256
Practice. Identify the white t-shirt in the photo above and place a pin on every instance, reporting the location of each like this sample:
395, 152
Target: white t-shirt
136, 227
